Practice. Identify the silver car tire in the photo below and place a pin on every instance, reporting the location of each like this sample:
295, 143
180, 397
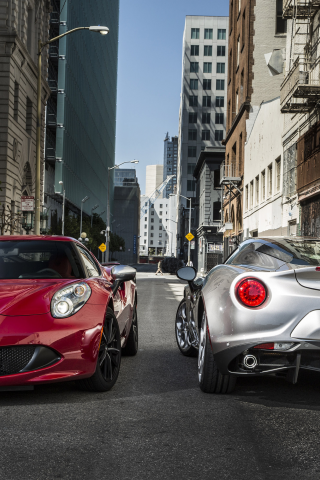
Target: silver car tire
182, 334
210, 379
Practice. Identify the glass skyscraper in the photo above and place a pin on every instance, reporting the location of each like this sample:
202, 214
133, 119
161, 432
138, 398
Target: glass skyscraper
82, 139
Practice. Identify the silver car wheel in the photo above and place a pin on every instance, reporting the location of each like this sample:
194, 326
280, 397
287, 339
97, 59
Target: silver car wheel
202, 346
182, 328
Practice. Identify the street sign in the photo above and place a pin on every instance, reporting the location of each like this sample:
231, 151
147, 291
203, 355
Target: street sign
103, 247
189, 236
193, 245
27, 203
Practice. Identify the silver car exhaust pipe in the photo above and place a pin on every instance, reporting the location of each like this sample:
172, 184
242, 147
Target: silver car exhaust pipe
250, 361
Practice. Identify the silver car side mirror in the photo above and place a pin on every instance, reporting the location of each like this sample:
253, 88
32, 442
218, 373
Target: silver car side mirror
122, 273
186, 273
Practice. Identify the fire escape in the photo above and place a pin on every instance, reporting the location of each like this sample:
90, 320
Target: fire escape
300, 90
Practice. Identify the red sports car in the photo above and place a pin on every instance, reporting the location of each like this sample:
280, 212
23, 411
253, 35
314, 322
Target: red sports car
62, 315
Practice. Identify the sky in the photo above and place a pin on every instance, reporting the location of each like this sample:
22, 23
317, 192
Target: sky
149, 75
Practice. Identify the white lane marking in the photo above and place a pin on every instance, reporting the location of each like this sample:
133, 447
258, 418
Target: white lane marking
176, 289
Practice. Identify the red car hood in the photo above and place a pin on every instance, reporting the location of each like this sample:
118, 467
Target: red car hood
27, 297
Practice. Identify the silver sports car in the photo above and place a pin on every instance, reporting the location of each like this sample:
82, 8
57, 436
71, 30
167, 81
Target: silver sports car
257, 314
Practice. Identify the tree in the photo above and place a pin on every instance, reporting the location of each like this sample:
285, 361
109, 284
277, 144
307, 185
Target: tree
9, 221
117, 243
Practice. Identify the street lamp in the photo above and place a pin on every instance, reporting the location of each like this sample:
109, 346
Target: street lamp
92, 209
41, 45
82, 202
189, 245
108, 207
63, 205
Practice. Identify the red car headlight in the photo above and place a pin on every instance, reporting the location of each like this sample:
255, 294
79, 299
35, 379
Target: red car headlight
251, 292
69, 300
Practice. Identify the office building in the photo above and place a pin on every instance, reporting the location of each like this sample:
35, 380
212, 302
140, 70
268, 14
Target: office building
170, 160
81, 113
154, 178
125, 220
202, 118
22, 24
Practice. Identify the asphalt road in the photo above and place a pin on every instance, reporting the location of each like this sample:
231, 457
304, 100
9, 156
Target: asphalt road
156, 423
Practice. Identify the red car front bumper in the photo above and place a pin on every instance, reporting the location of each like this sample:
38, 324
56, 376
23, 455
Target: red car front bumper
72, 342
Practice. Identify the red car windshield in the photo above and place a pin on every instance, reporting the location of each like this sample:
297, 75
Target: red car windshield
39, 259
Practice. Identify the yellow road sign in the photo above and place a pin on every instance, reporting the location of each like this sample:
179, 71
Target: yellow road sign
103, 247
189, 236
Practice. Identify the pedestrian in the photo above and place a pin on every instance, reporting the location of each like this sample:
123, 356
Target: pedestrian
159, 268
190, 264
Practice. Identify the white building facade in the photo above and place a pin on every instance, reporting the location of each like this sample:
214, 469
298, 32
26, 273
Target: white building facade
154, 178
158, 227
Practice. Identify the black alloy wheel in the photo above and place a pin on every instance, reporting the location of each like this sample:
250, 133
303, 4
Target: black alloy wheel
131, 347
109, 357
182, 330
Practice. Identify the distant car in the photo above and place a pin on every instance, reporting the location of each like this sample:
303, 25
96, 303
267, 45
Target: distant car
62, 316
257, 314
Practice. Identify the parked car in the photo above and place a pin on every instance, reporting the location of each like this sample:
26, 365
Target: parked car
62, 315
257, 314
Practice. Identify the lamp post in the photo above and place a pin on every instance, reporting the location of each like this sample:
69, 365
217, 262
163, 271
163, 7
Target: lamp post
82, 202
108, 208
63, 205
171, 241
92, 209
41, 45
189, 245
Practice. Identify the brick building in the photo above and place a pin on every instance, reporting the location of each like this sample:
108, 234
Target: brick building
257, 36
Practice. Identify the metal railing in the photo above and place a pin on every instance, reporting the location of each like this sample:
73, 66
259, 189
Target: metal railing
296, 76
228, 171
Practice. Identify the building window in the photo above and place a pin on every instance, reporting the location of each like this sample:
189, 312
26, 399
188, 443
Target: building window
192, 134
238, 51
195, 33
208, 33
161, 205
221, 33
16, 101
193, 101
151, 242
152, 221
192, 152
192, 117
205, 135
219, 101
218, 135
221, 67
29, 116
152, 227
145, 203
206, 84
270, 180
160, 242
263, 185
160, 213
191, 185
237, 102
152, 212
29, 30
191, 167
207, 67
219, 84
146, 226
206, 118
257, 190
243, 27
207, 52
194, 50
247, 197
160, 227
206, 101
145, 242
160, 235
221, 51
145, 219
281, 24
251, 194
194, 67
151, 235
278, 173
219, 118
194, 84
